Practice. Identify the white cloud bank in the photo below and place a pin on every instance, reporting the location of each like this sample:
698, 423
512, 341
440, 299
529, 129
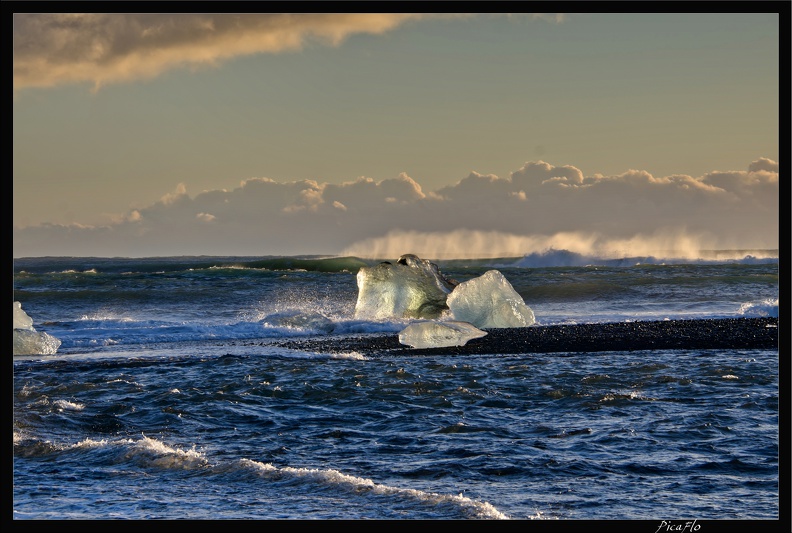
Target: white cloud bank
537, 207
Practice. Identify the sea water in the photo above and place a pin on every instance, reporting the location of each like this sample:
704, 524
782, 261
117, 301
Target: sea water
167, 400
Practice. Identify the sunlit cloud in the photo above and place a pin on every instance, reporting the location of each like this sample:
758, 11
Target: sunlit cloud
763, 164
172, 197
101, 49
537, 207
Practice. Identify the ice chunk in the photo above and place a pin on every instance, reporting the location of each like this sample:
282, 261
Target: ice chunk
433, 334
21, 318
410, 288
28, 341
489, 301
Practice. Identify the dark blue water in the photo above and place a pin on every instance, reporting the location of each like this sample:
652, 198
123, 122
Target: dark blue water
166, 400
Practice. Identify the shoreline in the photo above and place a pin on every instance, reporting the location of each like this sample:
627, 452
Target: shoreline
694, 334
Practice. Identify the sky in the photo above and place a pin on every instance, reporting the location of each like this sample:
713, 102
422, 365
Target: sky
380, 134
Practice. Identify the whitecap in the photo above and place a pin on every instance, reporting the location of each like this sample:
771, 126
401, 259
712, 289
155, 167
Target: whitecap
357, 485
764, 308
66, 405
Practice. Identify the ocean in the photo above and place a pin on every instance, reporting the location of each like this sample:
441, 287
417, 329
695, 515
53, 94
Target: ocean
169, 397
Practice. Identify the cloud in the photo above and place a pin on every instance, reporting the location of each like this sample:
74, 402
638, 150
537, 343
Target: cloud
477, 186
366, 194
51, 49
172, 197
538, 205
763, 164
61, 48
759, 186
539, 172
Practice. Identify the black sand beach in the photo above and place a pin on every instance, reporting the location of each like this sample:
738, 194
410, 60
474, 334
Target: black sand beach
728, 333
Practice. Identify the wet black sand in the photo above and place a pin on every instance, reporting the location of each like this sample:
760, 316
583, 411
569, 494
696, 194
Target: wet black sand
727, 333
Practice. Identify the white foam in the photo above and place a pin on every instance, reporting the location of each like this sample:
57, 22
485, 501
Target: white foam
358, 485
763, 308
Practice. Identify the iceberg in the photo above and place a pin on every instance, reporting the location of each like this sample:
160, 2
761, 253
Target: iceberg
434, 334
28, 341
21, 318
410, 288
489, 301
449, 313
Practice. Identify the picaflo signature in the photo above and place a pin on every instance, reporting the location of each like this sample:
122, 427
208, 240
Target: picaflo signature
669, 526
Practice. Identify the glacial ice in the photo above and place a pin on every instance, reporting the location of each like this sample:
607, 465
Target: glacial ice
449, 313
21, 318
489, 301
410, 288
438, 334
28, 341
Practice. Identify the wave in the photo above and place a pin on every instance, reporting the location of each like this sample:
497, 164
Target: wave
565, 258
120, 335
224, 299
150, 454
96, 334
352, 485
764, 308
75, 266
